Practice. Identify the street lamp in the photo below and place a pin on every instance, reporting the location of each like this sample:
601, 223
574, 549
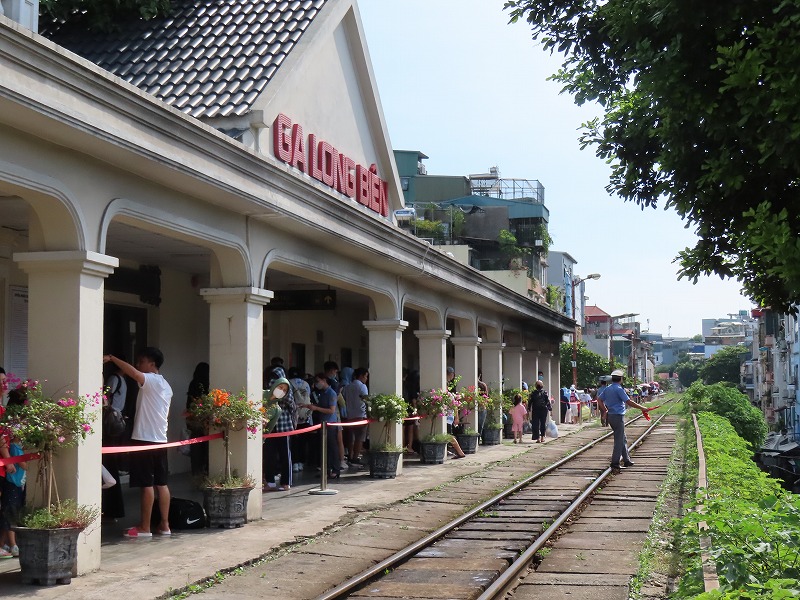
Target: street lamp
576, 282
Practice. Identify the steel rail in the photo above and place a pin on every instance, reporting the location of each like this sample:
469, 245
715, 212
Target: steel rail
409, 551
509, 577
710, 576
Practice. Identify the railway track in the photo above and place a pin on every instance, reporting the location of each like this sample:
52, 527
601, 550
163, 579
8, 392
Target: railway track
484, 552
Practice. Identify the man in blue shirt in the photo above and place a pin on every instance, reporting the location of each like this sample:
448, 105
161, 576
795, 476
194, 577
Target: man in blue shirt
612, 402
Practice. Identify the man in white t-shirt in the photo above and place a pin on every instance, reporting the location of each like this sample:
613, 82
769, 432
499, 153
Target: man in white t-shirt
148, 468
354, 395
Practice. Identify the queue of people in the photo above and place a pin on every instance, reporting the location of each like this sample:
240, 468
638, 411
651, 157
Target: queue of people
139, 397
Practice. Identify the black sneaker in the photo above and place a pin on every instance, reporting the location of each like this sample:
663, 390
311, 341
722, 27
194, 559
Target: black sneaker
628, 463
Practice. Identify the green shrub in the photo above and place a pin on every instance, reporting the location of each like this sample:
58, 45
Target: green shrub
728, 402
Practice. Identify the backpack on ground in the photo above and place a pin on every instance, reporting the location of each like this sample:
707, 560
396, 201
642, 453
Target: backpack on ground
183, 514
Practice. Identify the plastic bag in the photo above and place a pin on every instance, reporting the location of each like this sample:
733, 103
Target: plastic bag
551, 429
108, 478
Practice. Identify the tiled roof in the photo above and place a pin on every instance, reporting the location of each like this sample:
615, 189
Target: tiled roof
594, 311
209, 58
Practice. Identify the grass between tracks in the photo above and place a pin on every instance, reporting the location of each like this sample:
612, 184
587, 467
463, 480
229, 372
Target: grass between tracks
753, 524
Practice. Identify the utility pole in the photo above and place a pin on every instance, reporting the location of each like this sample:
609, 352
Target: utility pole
576, 282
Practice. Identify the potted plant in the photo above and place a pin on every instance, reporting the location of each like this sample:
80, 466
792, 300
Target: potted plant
225, 495
432, 404
493, 424
47, 536
472, 398
468, 440
389, 409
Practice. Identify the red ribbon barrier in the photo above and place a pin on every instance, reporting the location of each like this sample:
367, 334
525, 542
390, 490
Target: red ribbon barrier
197, 440
350, 423
19, 459
293, 432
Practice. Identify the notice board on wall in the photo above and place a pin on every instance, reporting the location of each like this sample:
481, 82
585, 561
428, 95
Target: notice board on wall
17, 350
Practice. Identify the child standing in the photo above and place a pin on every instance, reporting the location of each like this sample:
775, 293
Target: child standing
12, 484
518, 413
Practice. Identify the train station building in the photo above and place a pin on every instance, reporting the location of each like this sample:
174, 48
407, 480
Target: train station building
221, 184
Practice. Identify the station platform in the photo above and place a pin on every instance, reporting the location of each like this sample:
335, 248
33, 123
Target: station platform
156, 567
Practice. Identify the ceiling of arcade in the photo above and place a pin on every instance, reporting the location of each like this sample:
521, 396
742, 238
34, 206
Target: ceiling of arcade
138, 246
134, 245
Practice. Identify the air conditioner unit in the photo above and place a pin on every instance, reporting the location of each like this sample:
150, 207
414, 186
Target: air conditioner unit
405, 214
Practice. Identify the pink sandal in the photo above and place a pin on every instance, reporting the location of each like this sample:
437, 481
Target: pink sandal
134, 533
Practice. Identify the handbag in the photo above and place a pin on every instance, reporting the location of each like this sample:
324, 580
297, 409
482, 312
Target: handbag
340, 401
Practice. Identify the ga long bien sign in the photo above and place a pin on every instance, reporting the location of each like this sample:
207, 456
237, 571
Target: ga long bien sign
323, 162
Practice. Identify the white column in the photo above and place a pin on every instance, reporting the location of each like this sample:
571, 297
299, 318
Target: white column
236, 331
492, 364
512, 367
65, 352
432, 366
466, 365
555, 362
386, 371
544, 366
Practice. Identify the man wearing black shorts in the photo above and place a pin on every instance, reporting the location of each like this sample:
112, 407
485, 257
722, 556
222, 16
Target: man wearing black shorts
148, 468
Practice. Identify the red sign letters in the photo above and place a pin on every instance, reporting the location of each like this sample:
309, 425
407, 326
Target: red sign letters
325, 163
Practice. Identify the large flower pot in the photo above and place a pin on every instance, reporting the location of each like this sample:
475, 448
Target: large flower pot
491, 437
226, 507
383, 465
468, 442
47, 556
432, 453
508, 429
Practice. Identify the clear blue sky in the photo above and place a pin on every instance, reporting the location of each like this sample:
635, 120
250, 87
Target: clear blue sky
460, 84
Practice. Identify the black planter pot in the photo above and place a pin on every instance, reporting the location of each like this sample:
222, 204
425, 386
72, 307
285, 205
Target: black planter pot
47, 556
491, 437
508, 429
432, 453
468, 442
383, 465
226, 508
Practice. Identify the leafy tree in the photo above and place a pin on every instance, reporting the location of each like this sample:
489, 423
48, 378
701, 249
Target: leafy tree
664, 368
701, 111
554, 296
430, 229
590, 366
96, 15
697, 338
508, 244
724, 365
688, 372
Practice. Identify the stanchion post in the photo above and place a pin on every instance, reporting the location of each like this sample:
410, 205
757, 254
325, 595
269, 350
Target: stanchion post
323, 487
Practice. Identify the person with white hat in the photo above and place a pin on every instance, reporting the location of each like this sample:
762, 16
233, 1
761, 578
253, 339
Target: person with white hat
612, 402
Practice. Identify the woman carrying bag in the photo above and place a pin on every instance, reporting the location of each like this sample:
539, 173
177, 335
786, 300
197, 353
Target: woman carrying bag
540, 408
